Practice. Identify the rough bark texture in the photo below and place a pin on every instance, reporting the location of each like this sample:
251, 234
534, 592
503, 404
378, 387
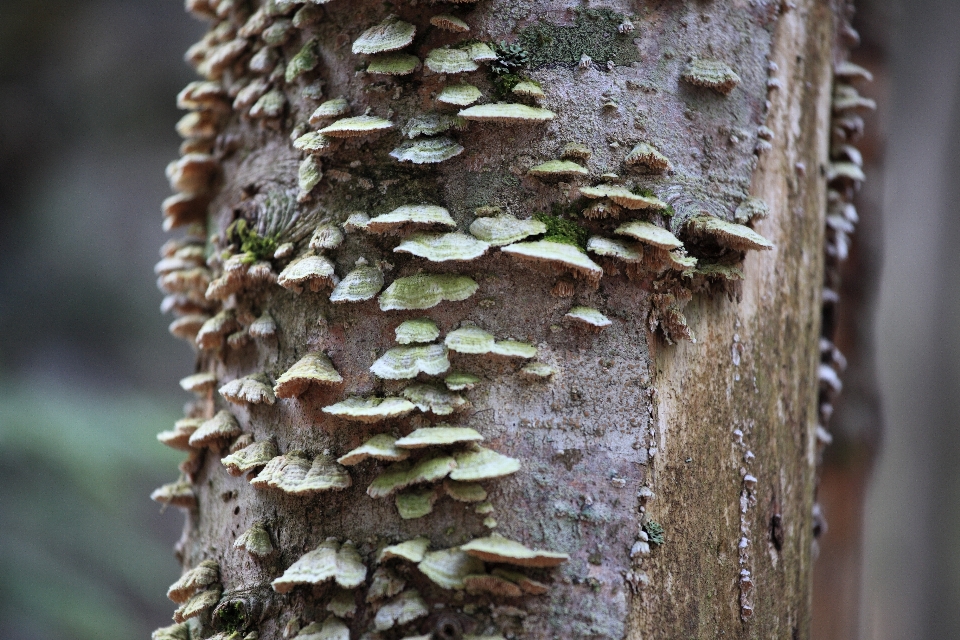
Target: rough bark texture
712, 437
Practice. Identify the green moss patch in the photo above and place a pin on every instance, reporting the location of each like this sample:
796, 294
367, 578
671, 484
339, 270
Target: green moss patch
595, 32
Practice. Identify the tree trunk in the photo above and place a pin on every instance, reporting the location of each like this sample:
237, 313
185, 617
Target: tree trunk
573, 272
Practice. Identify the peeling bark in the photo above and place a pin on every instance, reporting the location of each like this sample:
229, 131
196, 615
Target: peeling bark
647, 449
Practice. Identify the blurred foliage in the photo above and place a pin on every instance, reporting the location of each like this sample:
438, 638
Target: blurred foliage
77, 560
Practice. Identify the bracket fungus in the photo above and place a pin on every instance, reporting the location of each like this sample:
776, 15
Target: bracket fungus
459, 95
192, 173
392, 34
507, 113
450, 61
379, 447
401, 475
314, 367
727, 234
646, 155
356, 126
459, 381
252, 389
449, 22
447, 568
178, 494
529, 89
305, 60
199, 382
409, 550
480, 463
251, 457
430, 124
589, 316
485, 583
198, 604
850, 71
505, 229
496, 548
385, 583
649, 233
537, 371
559, 255
435, 400
415, 503
472, 339
712, 74
393, 64
417, 331
370, 409
332, 629
443, 247
270, 105
557, 169
427, 150
576, 151
612, 248
295, 474
255, 541
215, 431
464, 491
313, 271
313, 142
426, 290
263, 327
411, 215
406, 362
330, 109
480, 51
751, 209
343, 605
440, 436
624, 197
327, 236
329, 561
363, 283
179, 436
847, 98
406, 607
203, 575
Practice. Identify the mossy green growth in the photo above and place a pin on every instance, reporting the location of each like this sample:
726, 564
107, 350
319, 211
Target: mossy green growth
255, 246
232, 617
560, 229
595, 32
654, 532
504, 71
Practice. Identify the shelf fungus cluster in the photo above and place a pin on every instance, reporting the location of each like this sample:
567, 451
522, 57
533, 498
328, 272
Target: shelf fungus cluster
346, 245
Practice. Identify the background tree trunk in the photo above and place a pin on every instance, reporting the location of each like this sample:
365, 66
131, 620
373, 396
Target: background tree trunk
694, 408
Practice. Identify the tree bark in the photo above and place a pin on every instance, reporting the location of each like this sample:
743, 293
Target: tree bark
665, 431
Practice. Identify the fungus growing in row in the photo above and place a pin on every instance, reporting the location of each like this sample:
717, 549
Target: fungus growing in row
624, 197
363, 283
179, 631
370, 409
314, 143
187, 327
560, 255
278, 33
308, 176
356, 222
384, 584
507, 113
410, 216
721, 271
392, 34
393, 64
327, 236
255, 541
576, 151
409, 550
649, 233
727, 234
199, 125
252, 389
356, 126
712, 74
503, 230
313, 271
305, 60
529, 89
751, 209
537, 371
480, 463
415, 503
496, 548
331, 629
480, 51
203, 575
450, 61
330, 109
427, 150
179, 436
417, 331
459, 381
434, 399
447, 568
329, 561
474, 340
178, 494
295, 474
460, 95
198, 604
401, 475
646, 155
588, 316
557, 169
439, 436
216, 431
443, 247
485, 583
426, 290
184, 209
343, 605
631, 252
847, 98
270, 105
406, 362
449, 22
249, 458
263, 327
192, 173
845, 171
430, 124
405, 608
850, 71
312, 368
464, 491
379, 447
203, 94
200, 383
